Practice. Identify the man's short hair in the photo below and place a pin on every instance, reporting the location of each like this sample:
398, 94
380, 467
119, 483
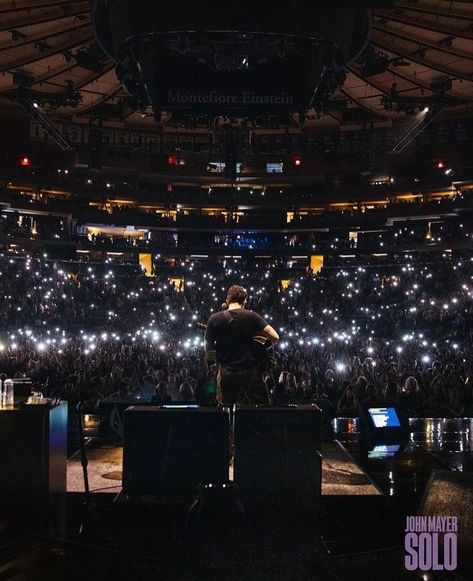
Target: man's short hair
236, 294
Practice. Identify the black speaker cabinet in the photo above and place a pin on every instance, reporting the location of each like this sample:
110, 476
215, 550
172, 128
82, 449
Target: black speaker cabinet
277, 453
167, 452
33, 446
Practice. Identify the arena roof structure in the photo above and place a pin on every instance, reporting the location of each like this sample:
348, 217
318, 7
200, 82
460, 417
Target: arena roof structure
419, 52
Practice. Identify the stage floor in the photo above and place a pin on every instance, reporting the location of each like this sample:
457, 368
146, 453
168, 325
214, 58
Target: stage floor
356, 533
340, 473
403, 471
105, 465
348, 469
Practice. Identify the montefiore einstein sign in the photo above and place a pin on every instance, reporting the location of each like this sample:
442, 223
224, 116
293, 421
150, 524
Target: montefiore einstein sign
245, 98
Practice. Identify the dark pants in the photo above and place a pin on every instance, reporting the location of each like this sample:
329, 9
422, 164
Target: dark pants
245, 386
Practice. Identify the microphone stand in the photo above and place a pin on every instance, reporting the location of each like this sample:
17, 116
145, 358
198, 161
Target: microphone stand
85, 463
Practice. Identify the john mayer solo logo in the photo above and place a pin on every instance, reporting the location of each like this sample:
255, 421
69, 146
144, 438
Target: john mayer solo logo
431, 543
215, 98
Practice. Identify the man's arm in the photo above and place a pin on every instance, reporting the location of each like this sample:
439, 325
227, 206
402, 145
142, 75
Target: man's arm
263, 331
270, 334
210, 354
210, 349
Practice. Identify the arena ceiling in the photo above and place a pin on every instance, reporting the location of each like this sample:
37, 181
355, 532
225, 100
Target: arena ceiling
418, 50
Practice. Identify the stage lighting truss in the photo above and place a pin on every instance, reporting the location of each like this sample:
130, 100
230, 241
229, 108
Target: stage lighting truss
411, 106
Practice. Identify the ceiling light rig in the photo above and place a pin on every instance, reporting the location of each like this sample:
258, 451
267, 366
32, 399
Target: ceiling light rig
31, 106
375, 62
394, 101
90, 58
52, 101
422, 121
41, 100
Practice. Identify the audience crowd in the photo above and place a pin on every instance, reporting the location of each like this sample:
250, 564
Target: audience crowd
106, 332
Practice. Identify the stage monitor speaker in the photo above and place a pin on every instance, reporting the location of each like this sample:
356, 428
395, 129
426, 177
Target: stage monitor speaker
168, 452
277, 453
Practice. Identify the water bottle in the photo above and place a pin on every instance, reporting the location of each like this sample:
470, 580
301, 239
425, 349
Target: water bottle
7, 398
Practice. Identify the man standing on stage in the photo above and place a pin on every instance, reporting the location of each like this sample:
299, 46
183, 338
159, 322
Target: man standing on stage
232, 339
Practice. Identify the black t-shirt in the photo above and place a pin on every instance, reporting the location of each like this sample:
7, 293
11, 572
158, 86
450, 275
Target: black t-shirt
230, 334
